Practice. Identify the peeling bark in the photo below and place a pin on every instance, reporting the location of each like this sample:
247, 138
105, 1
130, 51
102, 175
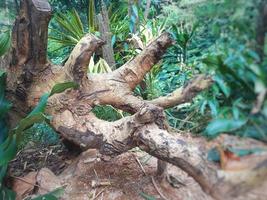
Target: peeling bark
71, 111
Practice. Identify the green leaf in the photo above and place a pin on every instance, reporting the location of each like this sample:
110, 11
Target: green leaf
222, 85
29, 121
146, 196
244, 152
9, 153
5, 42
61, 87
214, 155
41, 105
213, 107
3, 170
6, 194
4, 104
223, 125
203, 107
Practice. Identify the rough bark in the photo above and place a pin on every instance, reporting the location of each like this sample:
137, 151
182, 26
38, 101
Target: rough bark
104, 28
71, 111
261, 28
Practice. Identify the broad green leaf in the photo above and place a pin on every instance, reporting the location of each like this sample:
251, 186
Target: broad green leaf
203, 107
146, 196
223, 125
3, 131
6, 194
41, 105
224, 88
213, 107
3, 170
244, 152
61, 87
9, 153
4, 104
29, 121
5, 42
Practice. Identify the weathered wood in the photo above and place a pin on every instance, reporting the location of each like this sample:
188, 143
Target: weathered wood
29, 45
104, 28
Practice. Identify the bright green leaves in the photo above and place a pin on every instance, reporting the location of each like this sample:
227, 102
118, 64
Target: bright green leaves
61, 87
5, 42
146, 196
70, 30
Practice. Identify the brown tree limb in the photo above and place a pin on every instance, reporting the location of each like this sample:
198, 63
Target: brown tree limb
77, 65
134, 71
185, 93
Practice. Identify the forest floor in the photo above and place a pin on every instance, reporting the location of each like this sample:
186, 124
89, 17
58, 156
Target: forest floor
132, 175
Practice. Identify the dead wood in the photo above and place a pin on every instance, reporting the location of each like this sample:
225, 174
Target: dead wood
30, 75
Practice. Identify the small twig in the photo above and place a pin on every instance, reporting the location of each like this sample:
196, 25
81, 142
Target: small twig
99, 193
140, 164
21, 179
96, 174
100, 183
158, 190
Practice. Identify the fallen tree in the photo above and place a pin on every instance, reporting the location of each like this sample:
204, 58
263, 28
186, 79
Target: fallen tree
30, 75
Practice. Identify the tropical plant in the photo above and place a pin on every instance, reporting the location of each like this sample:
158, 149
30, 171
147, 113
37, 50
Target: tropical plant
5, 42
12, 138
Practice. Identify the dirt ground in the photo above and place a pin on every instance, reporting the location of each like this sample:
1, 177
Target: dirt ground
89, 176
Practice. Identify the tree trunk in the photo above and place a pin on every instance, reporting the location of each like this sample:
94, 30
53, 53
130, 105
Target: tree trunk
30, 75
148, 3
261, 28
106, 35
